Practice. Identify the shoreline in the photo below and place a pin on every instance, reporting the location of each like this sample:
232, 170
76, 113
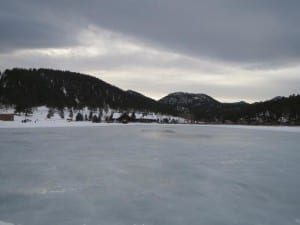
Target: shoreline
64, 124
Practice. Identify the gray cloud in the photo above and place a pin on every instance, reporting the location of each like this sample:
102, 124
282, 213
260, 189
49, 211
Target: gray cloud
229, 30
27, 25
229, 49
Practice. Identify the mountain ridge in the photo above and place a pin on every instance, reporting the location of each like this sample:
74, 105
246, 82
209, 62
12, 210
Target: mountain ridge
27, 88
35, 87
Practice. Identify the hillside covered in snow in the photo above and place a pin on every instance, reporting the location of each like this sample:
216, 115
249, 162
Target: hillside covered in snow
52, 117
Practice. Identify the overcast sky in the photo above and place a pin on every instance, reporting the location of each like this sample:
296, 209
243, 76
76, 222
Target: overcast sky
230, 49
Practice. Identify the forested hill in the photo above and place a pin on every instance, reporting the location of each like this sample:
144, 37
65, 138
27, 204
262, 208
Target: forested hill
53, 88
283, 110
27, 88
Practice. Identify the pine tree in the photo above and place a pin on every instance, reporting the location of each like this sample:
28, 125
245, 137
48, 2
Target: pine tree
71, 114
90, 116
79, 117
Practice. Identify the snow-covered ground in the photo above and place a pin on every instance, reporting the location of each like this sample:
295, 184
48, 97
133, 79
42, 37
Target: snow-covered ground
40, 117
49, 123
149, 174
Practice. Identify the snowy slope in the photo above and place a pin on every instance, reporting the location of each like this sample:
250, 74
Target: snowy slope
39, 117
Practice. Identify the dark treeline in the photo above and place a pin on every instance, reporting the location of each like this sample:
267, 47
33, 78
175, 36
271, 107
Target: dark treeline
200, 107
285, 110
27, 88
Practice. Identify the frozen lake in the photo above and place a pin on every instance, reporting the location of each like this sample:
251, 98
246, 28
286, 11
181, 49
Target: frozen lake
149, 174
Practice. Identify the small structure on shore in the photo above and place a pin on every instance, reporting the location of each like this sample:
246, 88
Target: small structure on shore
6, 116
125, 118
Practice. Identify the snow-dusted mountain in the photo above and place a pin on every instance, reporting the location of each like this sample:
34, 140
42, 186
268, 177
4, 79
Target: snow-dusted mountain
195, 105
187, 99
204, 107
277, 98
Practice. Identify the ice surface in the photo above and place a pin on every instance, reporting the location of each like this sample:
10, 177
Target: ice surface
149, 174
